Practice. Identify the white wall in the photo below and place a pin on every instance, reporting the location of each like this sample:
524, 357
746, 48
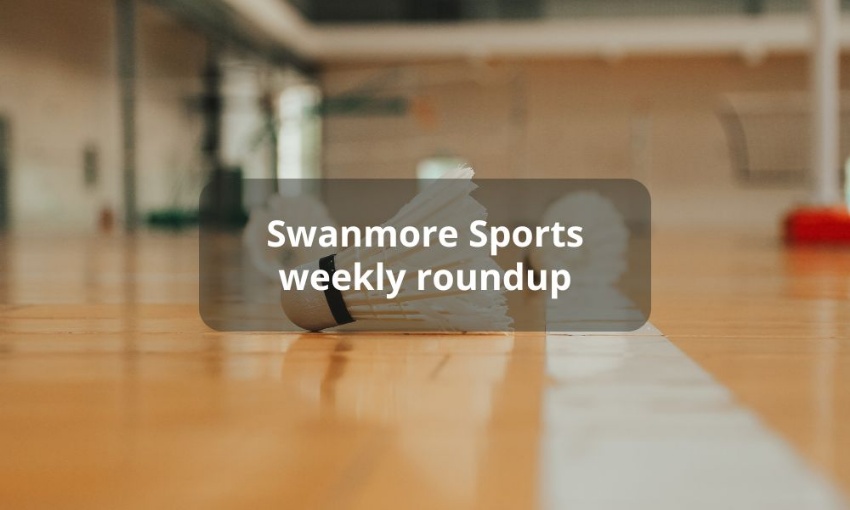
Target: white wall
59, 89
541, 118
573, 118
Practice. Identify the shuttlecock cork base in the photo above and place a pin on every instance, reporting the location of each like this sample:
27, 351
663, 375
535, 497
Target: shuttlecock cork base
315, 310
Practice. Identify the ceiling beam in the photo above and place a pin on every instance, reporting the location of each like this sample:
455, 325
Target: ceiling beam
752, 37
241, 26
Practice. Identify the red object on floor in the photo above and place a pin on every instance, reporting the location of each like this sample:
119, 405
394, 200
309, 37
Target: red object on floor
818, 225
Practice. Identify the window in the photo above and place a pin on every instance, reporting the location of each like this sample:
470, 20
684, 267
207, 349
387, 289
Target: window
432, 168
299, 140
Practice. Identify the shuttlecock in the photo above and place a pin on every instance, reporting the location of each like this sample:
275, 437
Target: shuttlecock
601, 259
445, 202
299, 210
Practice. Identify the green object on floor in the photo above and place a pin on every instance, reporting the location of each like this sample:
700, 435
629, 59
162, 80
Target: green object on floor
172, 219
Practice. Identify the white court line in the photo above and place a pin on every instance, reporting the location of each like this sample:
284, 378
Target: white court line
631, 422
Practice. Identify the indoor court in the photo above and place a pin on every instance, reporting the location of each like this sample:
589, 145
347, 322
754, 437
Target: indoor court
115, 392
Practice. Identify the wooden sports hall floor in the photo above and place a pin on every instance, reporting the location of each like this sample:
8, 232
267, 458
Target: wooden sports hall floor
113, 393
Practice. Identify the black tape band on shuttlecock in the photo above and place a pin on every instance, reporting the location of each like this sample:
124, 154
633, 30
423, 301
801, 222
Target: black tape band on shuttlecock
333, 295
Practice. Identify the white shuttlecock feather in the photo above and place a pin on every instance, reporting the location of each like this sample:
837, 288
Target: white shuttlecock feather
295, 210
601, 260
445, 202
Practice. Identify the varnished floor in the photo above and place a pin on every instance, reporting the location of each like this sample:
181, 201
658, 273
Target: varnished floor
113, 394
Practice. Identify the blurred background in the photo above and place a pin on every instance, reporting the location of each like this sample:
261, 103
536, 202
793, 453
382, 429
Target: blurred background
115, 113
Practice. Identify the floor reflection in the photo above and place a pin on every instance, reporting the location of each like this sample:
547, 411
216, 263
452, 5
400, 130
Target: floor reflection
434, 397
816, 272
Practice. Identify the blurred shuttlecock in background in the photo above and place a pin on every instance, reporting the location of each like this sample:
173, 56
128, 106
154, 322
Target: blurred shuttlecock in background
601, 260
296, 210
445, 202
595, 267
